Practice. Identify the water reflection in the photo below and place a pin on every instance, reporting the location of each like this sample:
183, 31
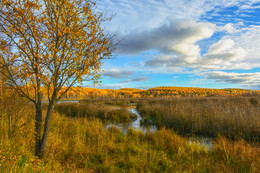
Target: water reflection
68, 101
63, 101
135, 124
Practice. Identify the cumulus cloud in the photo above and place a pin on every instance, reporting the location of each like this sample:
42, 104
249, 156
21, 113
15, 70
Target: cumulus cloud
239, 51
117, 73
223, 55
177, 39
221, 46
175, 36
251, 80
178, 42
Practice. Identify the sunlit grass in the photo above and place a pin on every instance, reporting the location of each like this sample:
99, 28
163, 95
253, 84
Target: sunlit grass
102, 111
233, 117
83, 145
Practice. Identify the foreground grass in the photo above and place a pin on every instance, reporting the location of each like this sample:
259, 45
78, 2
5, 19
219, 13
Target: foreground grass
232, 117
81, 145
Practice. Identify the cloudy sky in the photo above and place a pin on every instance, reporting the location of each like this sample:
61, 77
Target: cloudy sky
191, 43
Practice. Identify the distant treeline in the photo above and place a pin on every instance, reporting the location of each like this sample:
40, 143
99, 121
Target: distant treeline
162, 92
82, 92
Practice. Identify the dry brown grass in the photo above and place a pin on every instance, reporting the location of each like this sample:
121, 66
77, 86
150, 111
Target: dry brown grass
227, 116
95, 110
83, 145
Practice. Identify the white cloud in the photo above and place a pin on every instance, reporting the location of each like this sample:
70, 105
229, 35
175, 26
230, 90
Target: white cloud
250, 80
117, 73
250, 41
222, 55
174, 29
221, 46
229, 28
186, 47
135, 14
238, 51
175, 36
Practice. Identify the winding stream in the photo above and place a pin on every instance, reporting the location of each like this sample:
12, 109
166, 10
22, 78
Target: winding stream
135, 124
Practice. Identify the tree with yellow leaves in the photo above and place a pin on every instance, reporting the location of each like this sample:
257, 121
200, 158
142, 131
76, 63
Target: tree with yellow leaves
50, 44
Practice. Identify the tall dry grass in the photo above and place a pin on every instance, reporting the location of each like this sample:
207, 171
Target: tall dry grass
95, 110
227, 116
83, 145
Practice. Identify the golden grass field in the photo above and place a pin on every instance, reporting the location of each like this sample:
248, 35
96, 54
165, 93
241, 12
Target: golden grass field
79, 143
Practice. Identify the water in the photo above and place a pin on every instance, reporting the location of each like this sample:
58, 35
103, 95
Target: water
63, 101
135, 124
208, 143
68, 101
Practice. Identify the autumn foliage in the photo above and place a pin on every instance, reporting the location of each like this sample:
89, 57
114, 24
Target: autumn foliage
84, 93
50, 44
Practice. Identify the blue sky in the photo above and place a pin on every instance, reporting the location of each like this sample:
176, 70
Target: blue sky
191, 43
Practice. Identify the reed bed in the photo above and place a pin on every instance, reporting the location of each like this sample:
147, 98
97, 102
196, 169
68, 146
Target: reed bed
81, 144
232, 117
102, 111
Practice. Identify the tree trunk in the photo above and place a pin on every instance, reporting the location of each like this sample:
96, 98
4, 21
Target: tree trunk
38, 126
46, 129
38, 114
